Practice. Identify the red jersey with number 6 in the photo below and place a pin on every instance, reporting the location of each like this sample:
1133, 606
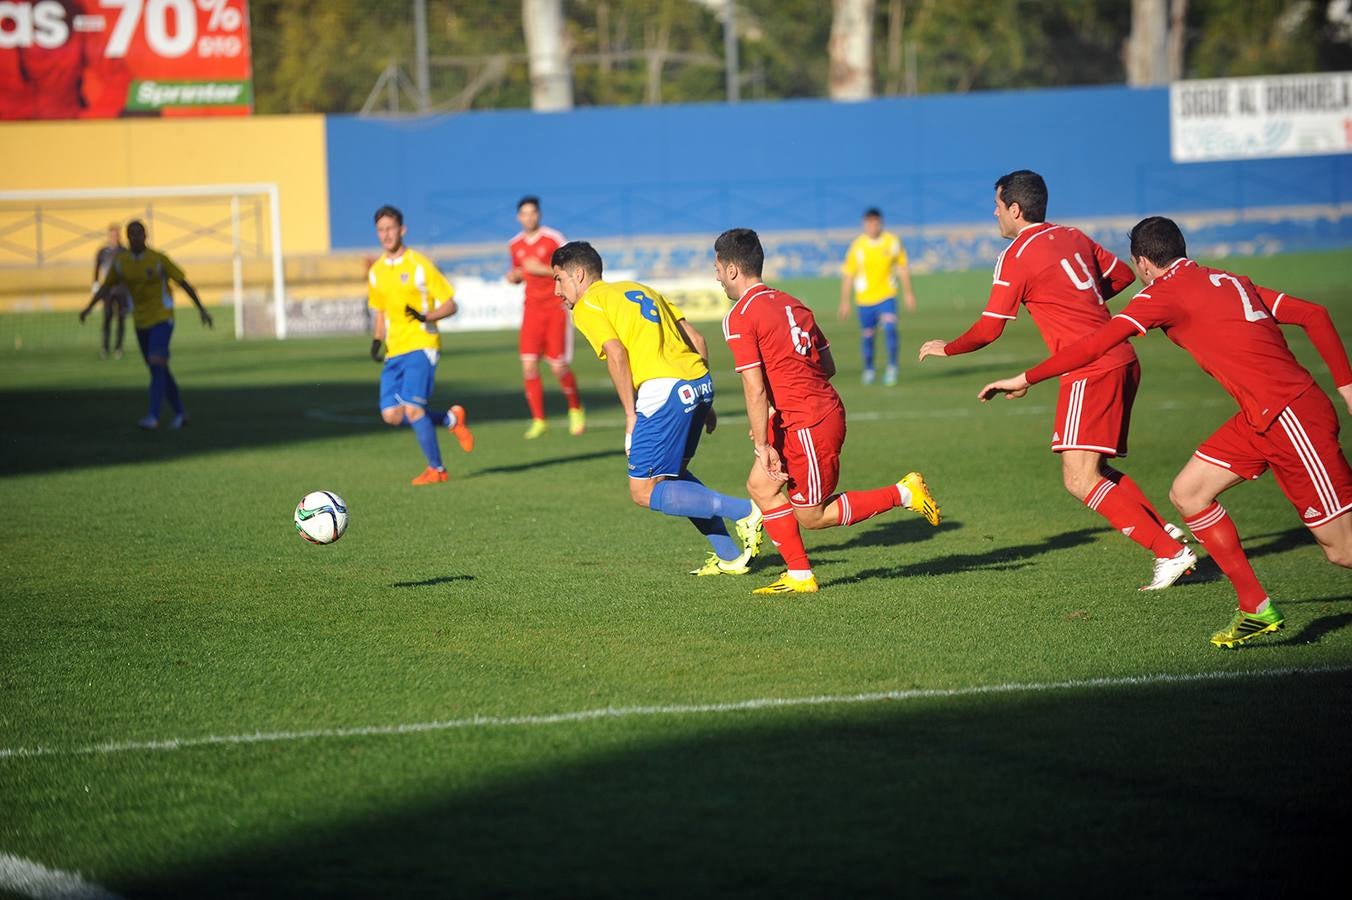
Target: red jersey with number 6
1229, 326
774, 330
1064, 278
540, 247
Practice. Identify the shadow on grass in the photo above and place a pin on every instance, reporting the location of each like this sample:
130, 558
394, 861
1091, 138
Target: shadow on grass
550, 461
64, 429
432, 582
1108, 792
1313, 632
997, 559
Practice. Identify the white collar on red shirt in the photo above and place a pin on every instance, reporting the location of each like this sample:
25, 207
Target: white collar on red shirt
759, 284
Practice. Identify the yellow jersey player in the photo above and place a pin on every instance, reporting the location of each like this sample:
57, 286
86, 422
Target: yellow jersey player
874, 264
146, 275
407, 296
659, 365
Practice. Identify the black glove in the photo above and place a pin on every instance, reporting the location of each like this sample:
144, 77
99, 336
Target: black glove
414, 314
378, 351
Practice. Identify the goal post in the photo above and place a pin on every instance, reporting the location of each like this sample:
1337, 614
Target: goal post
48, 238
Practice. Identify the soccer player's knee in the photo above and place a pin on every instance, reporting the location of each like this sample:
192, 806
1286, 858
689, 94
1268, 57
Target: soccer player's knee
889, 321
1186, 498
413, 413
1339, 555
641, 492
866, 332
530, 368
558, 367
393, 416
1078, 483
156, 360
813, 518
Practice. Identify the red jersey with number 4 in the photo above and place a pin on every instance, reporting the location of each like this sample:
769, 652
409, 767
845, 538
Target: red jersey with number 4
1230, 327
774, 330
541, 247
1064, 278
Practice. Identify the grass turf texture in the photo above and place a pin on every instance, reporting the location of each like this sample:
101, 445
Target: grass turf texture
153, 588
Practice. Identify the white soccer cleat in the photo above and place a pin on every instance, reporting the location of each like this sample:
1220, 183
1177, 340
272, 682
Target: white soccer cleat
1169, 569
149, 423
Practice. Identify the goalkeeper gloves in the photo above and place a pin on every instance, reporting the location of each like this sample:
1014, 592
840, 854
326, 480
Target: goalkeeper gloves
377, 351
414, 314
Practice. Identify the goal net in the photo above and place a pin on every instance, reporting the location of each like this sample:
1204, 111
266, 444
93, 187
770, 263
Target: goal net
226, 238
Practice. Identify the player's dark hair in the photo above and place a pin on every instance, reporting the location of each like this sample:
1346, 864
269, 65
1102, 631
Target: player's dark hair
136, 223
1159, 240
578, 253
391, 212
742, 248
1026, 188
873, 212
529, 198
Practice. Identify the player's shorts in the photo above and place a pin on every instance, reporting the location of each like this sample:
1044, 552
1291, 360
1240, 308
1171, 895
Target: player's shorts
546, 332
869, 315
671, 415
154, 341
1094, 412
408, 378
1301, 447
811, 457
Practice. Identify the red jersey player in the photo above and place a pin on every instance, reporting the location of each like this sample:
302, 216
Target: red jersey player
1064, 279
797, 419
1285, 421
545, 328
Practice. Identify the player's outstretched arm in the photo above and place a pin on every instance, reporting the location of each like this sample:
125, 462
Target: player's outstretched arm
984, 330
1012, 388
196, 301
1318, 326
1081, 353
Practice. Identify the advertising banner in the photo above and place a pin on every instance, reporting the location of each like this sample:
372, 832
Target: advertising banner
100, 59
1260, 117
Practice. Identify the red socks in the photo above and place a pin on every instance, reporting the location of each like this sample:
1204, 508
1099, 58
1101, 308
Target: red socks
1129, 515
1215, 530
535, 397
856, 506
1124, 483
568, 381
782, 527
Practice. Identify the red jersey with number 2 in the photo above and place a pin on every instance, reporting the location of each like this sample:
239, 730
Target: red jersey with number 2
1064, 278
541, 247
774, 330
1228, 325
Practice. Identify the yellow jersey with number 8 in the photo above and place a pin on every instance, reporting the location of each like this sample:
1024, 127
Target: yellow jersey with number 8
644, 323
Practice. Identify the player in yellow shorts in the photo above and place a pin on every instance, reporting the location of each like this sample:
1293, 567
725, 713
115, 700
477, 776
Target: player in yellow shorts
408, 295
874, 264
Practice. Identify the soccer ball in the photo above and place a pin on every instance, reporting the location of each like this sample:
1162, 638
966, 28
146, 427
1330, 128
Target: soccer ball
321, 517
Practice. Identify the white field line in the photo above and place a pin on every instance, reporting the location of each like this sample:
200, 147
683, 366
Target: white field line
679, 709
30, 879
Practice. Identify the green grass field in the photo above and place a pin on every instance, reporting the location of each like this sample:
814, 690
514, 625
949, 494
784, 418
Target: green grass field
196, 703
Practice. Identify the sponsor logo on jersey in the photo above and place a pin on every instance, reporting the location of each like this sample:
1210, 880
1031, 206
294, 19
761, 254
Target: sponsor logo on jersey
403, 277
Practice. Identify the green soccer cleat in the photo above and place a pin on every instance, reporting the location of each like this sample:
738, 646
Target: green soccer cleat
717, 566
1246, 625
537, 429
787, 584
750, 533
922, 501
577, 421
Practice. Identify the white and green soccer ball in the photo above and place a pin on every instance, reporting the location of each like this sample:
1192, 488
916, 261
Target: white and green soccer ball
321, 517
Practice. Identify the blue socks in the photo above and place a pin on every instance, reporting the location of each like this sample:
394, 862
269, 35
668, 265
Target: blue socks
159, 379
866, 348
890, 336
426, 433
171, 392
706, 509
439, 417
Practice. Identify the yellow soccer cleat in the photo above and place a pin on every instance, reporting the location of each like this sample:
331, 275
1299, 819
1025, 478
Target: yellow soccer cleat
577, 421
750, 533
717, 566
922, 501
787, 584
1246, 625
537, 428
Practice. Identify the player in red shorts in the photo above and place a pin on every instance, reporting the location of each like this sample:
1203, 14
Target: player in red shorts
1285, 421
797, 419
545, 328
1065, 279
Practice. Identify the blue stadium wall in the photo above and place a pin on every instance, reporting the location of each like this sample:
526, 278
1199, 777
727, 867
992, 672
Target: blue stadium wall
657, 183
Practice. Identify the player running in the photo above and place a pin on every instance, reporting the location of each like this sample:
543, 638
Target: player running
1285, 421
1065, 279
797, 419
118, 302
409, 295
545, 329
874, 263
146, 275
659, 365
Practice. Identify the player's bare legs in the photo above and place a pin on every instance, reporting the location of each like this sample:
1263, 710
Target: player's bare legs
1335, 539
